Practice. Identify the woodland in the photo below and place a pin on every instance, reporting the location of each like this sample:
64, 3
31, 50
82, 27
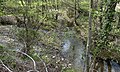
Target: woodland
59, 35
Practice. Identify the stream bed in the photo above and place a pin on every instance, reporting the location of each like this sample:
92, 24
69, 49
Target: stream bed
74, 51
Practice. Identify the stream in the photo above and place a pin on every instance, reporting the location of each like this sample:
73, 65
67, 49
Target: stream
73, 50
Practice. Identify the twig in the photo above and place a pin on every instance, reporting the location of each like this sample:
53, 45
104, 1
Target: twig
33, 71
43, 63
5, 66
34, 64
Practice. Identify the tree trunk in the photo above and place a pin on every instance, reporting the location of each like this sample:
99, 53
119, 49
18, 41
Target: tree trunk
89, 36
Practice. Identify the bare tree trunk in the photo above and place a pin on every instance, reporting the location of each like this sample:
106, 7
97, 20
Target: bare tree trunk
89, 36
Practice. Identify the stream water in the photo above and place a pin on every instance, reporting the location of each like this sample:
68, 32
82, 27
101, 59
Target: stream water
73, 50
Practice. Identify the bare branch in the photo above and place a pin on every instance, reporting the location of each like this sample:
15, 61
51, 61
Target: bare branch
22, 2
43, 63
34, 64
5, 66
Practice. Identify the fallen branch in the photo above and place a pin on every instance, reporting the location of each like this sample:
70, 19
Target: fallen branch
34, 64
5, 66
43, 63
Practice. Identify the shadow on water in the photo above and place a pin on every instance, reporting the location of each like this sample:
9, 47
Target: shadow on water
73, 50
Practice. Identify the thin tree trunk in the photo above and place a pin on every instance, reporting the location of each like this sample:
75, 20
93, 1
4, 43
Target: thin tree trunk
100, 18
89, 36
109, 66
118, 21
102, 66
